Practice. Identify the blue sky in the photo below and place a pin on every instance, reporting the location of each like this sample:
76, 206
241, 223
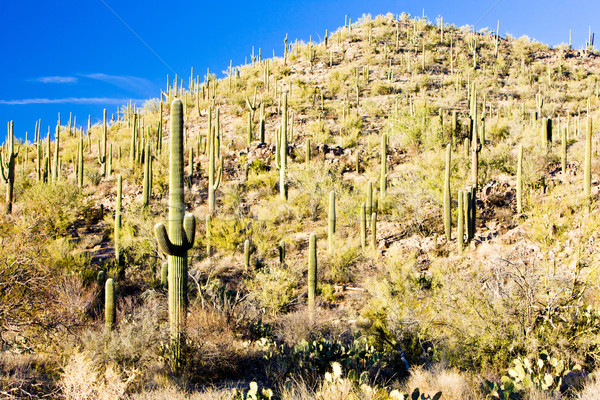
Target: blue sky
82, 56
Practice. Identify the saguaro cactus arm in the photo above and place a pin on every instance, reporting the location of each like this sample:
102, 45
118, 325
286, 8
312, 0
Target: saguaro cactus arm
165, 244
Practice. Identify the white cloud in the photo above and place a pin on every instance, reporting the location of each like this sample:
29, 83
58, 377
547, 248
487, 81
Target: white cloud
127, 82
56, 79
70, 100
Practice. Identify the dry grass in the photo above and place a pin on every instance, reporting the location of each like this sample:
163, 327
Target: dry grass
452, 383
82, 379
591, 389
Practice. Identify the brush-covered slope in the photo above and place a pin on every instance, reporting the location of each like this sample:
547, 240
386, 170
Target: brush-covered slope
375, 105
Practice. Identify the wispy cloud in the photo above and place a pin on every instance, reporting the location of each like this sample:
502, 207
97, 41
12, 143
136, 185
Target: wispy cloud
133, 84
71, 100
56, 79
127, 82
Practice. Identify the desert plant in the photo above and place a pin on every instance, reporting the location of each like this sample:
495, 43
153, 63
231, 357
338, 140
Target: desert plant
8, 158
180, 238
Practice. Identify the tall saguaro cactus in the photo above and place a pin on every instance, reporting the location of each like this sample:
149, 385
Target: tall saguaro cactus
55, 167
447, 197
312, 271
147, 176
102, 156
520, 180
283, 149
383, 177
460, 234
588, 158
8, 158
332, 220
79, 160
109, 304
214, 177
180, 238
118, 260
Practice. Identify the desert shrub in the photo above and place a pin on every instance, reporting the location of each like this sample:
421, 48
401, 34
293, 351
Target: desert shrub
52, 209
273, 288
83, 378
379, 88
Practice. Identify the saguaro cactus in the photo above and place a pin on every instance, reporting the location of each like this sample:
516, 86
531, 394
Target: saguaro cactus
147, 176
214, 178
312, 271
460, 234
261, 127
79, 160
363, 226
55, 167
383, 177
563, 152
588, 158
118, 259
133, 151
8, 157
180, 238
374, 231
283, 150
109, 305
332, 220
102, 150
281, 249
447, 197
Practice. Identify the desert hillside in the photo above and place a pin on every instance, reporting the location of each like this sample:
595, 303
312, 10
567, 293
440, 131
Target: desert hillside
405, 205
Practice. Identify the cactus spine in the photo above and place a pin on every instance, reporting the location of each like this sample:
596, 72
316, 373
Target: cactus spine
8, 158
332, 220
312, 271
109, 305
447, 197
180, 238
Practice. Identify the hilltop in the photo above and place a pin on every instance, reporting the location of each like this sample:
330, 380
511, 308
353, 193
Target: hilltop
380, 106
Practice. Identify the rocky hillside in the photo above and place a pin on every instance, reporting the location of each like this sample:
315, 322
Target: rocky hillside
459, 256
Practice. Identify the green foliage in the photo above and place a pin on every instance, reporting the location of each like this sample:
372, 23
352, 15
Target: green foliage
313, 358
252, 393
415, 395
543, 374
273, 288
53, 209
